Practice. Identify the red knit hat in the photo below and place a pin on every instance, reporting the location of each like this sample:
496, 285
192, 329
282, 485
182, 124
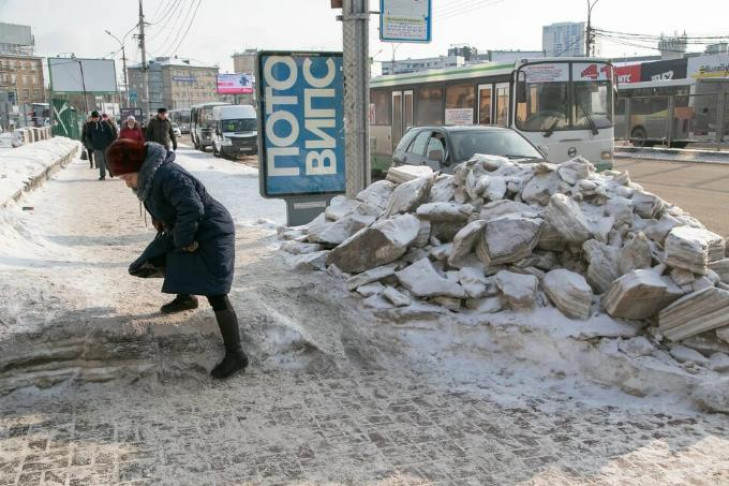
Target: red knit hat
125, 156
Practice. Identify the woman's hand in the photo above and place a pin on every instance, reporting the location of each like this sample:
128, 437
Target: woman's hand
191, 248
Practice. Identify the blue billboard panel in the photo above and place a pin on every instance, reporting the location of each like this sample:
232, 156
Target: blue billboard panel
301, 117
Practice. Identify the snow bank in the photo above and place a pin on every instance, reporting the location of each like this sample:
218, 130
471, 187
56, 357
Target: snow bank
554, 247
22, 167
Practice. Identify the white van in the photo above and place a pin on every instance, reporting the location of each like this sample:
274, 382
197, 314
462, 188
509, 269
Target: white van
235, 130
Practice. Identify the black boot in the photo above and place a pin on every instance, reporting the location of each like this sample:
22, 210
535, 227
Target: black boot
181, 303
235, 359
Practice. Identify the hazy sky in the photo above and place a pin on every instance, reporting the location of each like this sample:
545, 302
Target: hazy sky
222, 27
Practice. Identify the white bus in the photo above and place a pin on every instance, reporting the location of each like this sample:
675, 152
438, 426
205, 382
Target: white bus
564, 105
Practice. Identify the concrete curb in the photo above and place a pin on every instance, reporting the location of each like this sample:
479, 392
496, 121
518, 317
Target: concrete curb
38, 179
675, 155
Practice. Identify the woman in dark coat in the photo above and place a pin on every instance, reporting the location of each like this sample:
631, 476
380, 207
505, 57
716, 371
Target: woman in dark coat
195, 247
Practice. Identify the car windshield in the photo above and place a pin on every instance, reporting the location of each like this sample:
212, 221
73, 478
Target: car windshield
505, 143
241, 125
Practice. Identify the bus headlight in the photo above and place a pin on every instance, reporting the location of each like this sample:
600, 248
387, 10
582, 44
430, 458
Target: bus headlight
607, 155
226, 142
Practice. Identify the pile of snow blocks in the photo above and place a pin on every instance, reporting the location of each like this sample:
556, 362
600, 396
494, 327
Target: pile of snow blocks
499, 235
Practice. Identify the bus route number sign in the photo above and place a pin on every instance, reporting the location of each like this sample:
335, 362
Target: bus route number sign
301, 123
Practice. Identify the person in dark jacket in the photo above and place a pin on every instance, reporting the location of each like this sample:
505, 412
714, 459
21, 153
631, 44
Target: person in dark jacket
160, 130
195, 249
89, 149
131, 130
99, 135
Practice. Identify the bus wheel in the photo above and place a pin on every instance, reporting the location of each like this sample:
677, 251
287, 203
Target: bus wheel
638, 137
679, 145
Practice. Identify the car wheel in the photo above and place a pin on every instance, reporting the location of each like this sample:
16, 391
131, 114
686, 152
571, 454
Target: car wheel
638, 137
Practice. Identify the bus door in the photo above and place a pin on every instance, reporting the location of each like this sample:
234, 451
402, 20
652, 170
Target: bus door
484, 104
501, 111
402, 114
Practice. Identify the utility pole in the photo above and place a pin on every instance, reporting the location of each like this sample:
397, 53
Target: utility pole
356, 67
124, 62
145, 68
589, 36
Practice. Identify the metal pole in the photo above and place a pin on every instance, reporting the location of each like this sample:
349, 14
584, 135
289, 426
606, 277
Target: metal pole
145, 68
83, 86
671, 115
355, 22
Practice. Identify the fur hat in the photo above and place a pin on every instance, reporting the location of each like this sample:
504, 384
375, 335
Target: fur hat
125, 156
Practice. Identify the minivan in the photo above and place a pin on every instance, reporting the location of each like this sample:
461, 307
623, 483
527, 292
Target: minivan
235, 130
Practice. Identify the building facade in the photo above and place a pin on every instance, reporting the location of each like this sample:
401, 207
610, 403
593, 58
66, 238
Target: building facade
21, 77
564, 39
424, 64
174, 83
244, 62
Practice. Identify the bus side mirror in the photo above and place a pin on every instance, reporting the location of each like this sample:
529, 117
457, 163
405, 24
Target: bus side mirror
544, 150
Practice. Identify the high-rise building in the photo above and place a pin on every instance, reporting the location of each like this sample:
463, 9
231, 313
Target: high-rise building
564, 39
175, 83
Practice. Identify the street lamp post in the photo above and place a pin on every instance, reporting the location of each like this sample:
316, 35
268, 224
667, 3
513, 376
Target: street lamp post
124, 59
589, 41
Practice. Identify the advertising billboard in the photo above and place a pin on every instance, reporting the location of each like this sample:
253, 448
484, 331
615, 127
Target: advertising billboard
235, 84
301, 123
405, 20
664, 70
628, 74
69, 75
708, 67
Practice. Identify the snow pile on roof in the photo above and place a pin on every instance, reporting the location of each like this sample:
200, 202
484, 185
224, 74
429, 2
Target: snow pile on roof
19, 166
498, 235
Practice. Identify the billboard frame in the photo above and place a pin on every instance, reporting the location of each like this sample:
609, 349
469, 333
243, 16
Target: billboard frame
79, 59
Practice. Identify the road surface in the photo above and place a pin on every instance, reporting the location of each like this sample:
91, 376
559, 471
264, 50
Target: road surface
700, 189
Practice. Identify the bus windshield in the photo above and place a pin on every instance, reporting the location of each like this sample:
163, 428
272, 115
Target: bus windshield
550, 98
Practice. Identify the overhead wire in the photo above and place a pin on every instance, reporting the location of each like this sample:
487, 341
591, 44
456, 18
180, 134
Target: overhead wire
157, 11
192, 20
175, 27
468, 9
169, 22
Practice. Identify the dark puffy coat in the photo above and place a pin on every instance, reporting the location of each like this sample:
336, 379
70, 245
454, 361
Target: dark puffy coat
188, 213
99, 134
160, 131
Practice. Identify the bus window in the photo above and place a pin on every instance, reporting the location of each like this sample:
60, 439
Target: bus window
592, 102
502, 104
484, 105
545, 107
461, 97
381, 100
429, 108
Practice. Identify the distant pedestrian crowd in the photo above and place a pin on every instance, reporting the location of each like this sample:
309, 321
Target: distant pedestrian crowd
99, 131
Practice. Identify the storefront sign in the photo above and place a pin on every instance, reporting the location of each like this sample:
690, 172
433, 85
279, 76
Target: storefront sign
546, 72
708, 67
405, 20
664, 70
628, 74
301, 123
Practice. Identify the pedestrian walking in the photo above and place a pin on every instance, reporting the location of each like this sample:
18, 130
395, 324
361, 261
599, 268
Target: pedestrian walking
99, 135
87, 146
160, 130
132, 130
194, 250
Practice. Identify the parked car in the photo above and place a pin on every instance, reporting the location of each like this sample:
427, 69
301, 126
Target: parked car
176, 129
444, 147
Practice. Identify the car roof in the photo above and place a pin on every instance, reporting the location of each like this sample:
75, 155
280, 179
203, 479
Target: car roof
462, 128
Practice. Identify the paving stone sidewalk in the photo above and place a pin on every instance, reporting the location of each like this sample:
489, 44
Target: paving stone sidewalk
346, 427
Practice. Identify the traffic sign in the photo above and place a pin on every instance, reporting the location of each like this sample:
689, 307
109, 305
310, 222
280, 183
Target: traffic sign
406, 20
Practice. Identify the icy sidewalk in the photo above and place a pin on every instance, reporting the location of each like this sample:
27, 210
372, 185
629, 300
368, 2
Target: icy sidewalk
27, 165
70, 311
